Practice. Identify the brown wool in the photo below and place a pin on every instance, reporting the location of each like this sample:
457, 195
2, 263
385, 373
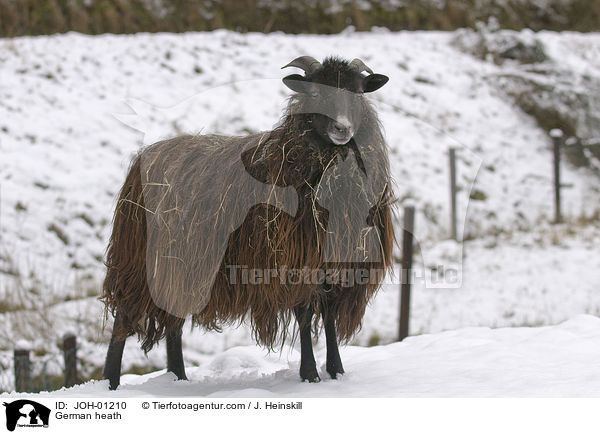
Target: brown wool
165, 241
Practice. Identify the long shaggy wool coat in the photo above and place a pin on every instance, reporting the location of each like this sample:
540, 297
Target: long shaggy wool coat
196, 211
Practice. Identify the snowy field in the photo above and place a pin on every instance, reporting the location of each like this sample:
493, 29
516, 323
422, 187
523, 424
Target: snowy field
551, 361
74, 109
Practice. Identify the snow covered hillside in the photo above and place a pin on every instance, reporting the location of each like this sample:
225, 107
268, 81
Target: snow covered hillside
554, 361
68, 102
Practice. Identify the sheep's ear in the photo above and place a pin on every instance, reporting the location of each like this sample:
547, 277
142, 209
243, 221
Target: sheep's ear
296, 82
373, 82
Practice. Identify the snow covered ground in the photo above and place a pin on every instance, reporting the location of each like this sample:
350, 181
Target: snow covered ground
65, 105
551, 361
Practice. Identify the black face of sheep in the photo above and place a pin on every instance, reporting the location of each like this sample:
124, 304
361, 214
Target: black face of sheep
330, 95
309, 199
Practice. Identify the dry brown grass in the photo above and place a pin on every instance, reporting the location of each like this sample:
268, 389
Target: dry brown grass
37, 17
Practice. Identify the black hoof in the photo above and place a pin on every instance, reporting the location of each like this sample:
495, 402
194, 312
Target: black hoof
334, 375
333, 371
316, 379
310, 375
180, 376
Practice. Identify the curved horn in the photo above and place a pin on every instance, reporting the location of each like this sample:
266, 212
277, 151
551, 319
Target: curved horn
307, 63
360, 66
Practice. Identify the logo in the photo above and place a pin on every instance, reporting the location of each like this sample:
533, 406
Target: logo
26, 413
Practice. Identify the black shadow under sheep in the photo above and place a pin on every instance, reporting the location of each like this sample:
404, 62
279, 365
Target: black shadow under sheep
290, 222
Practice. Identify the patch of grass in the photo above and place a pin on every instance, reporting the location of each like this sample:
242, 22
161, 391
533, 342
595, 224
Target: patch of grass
7, 306
424, 80
478, 195
87, 219
586, 220
10, 270
374, 340
47, 382
59, 233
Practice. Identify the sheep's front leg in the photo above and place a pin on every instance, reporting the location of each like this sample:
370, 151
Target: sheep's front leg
175, 353
334, 361
308, 366
112, 366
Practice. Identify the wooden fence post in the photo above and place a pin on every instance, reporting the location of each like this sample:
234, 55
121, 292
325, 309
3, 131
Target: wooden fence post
406, 272
22, 369
452, 161
70, 353
557, 141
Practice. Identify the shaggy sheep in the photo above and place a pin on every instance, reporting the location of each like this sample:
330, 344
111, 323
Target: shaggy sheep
293, 221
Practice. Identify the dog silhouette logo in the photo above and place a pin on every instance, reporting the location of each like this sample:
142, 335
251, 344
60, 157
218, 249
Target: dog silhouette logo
26, 413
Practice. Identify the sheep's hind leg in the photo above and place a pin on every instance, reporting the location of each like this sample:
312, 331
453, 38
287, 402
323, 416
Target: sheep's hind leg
175, 353
334, 361
308, 366
112, 366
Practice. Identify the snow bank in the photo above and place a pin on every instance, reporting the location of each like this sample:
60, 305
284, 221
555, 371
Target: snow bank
555, 361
